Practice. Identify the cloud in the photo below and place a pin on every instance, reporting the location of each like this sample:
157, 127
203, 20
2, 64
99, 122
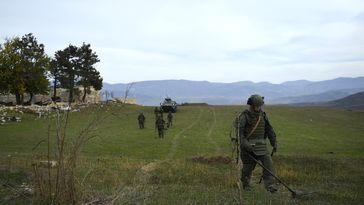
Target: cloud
225, 41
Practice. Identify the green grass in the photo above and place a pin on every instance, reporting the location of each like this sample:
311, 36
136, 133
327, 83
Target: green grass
320, 150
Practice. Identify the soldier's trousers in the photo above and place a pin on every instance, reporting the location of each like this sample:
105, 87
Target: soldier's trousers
141, 125
161, 133
249, 165
169, 124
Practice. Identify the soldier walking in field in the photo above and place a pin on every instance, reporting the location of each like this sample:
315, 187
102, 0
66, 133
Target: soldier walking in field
170, 120
159, 124
252, 129
157, 112
141, 120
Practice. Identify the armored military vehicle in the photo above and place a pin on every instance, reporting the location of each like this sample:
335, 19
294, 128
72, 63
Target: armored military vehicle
168, 105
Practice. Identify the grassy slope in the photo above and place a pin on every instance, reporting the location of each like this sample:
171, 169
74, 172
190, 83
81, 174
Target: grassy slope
320, 150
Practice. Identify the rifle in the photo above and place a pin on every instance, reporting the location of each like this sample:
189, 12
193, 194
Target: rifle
238, 142
155, 130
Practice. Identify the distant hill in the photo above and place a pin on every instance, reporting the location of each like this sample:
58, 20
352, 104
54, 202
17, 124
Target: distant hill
321, 97
351, 101
153, 92
354, 101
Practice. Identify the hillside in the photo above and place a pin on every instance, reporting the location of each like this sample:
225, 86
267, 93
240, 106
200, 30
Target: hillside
352, 101
152, 92
317, 98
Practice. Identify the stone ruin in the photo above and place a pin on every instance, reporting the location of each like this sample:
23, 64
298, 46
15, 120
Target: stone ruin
10, 114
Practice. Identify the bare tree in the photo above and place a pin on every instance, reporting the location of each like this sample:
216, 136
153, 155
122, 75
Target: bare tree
58, 185
127, 91
107, 95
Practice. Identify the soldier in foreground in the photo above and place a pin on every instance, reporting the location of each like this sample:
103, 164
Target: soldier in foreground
170, 119
252, 129
159, 124
141, 120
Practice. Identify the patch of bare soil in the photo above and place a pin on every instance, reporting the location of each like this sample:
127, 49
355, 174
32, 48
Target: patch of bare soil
212, 159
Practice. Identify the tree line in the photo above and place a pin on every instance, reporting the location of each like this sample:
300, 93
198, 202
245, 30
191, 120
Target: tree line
25, 68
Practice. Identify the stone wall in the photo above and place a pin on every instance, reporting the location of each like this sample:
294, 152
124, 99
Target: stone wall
93, 97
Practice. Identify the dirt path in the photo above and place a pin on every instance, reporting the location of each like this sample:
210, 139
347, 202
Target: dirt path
212, 127
143, 175
172, 152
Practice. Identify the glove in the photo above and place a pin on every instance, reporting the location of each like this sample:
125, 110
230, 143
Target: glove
274, 148
247, 146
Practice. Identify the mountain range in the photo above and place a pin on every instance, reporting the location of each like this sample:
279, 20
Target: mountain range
291, 92
354, 101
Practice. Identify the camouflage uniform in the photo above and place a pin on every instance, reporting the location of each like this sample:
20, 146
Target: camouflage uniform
159, 124
158, 112
141, 120
255, 144
170, 119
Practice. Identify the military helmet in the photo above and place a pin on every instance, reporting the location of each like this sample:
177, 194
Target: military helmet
256, 100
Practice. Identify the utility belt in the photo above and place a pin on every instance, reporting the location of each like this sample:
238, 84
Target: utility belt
259, 147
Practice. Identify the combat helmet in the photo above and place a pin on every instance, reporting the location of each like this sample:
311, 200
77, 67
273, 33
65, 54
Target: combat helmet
256, 100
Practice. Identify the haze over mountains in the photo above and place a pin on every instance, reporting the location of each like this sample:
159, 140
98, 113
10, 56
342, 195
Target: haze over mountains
354, 101
301, 91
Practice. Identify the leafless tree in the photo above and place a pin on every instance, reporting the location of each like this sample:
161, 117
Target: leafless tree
107, 95
127, 91
58, 185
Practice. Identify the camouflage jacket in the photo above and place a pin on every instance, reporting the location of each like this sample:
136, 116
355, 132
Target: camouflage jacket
256, 142
159, 123
141, 118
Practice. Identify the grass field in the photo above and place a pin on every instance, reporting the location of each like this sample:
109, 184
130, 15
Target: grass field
319, 150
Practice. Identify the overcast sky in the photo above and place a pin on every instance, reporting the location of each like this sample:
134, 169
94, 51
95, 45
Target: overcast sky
220, 41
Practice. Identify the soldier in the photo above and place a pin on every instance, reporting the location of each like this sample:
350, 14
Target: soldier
159, 124
170, 119
141, 120
253, 128
157, 112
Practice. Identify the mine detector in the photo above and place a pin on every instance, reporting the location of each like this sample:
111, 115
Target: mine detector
168, 105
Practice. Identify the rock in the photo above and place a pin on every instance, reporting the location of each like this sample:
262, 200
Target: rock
44, 163
76, 110
66, 108
15, 119
25, 190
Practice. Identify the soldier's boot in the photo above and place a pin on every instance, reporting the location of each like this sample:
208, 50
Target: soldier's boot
272, 189
267, 177
246, 185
